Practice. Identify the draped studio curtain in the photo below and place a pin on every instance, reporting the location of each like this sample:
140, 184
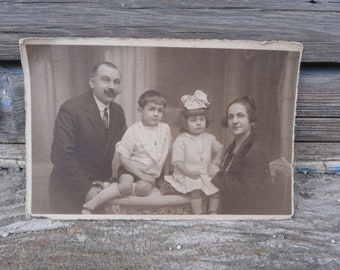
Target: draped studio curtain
269, 78
137, 66
61, 72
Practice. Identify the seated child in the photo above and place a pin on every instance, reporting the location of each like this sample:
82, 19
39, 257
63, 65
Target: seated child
142, 151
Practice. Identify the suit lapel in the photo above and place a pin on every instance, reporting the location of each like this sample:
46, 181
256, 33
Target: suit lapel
93, 116
111, 130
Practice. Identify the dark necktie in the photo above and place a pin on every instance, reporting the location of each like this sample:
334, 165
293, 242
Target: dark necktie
106, 118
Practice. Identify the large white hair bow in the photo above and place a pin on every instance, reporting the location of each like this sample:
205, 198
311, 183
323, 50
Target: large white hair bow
197, 101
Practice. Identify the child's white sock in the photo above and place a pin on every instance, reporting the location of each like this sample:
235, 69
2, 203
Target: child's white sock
213, 205
196, 205
133, 193
104, 196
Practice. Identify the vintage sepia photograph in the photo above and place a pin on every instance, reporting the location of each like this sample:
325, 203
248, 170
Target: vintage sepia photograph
160, 128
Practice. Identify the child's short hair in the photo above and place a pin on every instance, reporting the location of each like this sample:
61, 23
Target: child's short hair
151, 96
196, 112
185, 114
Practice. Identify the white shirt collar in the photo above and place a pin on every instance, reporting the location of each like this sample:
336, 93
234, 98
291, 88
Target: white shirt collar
101, 105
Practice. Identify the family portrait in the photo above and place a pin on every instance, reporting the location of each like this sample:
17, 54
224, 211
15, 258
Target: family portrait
160, 128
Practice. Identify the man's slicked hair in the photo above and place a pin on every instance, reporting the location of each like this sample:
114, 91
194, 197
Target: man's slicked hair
109, 64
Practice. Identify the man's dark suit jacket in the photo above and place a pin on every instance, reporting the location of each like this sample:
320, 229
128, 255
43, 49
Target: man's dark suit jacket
82, 151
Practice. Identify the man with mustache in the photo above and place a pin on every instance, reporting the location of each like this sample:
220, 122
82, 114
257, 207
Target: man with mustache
86, 131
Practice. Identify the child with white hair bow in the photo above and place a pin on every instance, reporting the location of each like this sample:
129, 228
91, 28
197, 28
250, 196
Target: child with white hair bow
193, 151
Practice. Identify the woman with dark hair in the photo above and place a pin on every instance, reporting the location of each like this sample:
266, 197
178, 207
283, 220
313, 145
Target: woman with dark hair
245, 168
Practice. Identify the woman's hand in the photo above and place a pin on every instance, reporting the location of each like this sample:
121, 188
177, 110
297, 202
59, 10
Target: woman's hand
213, 169
280, 165
216, 162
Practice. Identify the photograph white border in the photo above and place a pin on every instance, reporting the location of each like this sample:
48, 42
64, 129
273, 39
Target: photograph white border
175, 43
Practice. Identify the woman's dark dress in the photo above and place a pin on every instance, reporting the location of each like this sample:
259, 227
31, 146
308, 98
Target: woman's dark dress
242, 179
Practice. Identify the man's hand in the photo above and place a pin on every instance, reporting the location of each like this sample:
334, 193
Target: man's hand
106, 184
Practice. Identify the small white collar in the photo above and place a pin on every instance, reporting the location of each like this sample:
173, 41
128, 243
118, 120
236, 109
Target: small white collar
101, 105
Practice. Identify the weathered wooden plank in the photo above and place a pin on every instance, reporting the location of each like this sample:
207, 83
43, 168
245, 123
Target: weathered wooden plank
332, 167
326, 5
308, 157
319, 97
316, 151
12, 104
310, 240
317, 157
12, 151
258, 4
13, 184
317, 130
12, 155
272, 21
319, 92
307, 151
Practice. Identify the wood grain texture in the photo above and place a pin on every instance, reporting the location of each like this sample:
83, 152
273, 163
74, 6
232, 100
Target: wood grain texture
326, 5
12, 104
319, 93
317, 129
308, 156
12, 156
315, 25
317, 151
318, 108
310, 240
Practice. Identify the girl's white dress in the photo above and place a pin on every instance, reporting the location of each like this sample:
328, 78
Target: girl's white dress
196, 153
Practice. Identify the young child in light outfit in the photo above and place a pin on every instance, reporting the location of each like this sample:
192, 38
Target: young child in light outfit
142, 151
192, 152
